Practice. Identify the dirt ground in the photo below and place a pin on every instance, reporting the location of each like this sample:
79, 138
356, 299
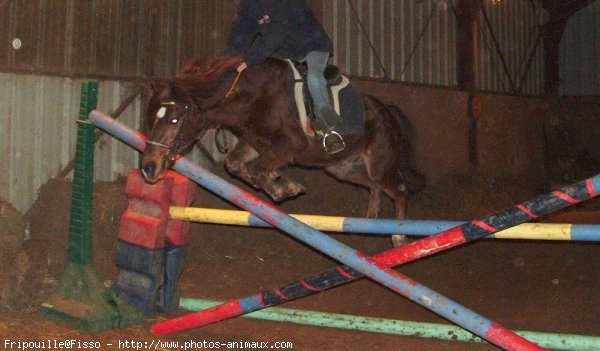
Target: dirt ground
523, 285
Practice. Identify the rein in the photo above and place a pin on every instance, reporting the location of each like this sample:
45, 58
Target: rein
230, 91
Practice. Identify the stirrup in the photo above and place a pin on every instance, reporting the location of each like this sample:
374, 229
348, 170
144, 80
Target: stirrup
333, 142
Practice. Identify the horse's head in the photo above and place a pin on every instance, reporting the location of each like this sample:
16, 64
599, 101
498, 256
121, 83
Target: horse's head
175, 124
178, 111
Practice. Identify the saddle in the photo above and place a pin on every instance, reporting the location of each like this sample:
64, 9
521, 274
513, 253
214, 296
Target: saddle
344, 98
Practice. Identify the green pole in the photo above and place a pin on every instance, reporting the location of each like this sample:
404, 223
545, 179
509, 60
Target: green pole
83, 298
398, 327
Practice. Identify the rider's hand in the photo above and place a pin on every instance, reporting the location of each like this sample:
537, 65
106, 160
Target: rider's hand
242, 66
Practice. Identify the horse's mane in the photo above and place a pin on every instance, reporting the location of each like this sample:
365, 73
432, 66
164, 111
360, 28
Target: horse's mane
200, 78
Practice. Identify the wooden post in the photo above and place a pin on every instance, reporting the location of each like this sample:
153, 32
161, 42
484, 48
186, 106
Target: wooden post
466, 12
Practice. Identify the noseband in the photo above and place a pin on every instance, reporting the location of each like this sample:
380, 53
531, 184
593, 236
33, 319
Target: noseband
176, 148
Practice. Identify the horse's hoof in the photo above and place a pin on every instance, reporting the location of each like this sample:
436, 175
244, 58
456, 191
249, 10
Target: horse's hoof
274, 175
282, 192
294, 189
286, 192
399, 240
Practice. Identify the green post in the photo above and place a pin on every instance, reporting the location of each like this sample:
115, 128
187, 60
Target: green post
83, 298
79, 250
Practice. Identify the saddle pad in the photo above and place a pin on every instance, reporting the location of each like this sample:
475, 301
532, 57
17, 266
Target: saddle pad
346, 101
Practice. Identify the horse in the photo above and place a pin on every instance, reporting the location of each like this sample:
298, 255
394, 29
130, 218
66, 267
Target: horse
254, 106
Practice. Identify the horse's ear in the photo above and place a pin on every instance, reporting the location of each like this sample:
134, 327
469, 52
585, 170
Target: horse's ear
161, 89
159, 85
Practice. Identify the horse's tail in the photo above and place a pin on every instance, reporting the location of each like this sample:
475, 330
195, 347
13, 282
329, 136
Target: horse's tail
414, 181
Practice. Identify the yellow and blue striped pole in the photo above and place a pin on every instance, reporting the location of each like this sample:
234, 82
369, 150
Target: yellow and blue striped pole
380, 226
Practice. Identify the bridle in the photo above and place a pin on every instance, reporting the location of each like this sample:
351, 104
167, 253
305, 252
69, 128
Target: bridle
176, 148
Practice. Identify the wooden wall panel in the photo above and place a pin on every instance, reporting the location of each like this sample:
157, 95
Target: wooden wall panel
26, 18
186, 40
6, 34
83, 36
107, 35
55, 26
162, 45
112, 38
133, 25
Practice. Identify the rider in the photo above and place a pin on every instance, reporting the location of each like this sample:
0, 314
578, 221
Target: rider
288, 29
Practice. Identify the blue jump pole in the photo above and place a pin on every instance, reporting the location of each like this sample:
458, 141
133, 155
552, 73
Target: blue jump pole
489, 330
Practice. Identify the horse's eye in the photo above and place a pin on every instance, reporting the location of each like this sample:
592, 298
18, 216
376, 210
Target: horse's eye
161, 112
174, 120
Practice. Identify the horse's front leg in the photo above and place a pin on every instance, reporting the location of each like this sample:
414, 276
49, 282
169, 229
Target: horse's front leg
263, 169
246, 164
237, 161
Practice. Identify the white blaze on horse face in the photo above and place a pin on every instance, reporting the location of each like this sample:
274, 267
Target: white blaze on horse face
161, 112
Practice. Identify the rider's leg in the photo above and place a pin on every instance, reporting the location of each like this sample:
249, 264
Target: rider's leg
325, 115
316, 62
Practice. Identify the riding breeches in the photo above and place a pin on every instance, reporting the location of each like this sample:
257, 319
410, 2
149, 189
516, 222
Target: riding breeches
316, 62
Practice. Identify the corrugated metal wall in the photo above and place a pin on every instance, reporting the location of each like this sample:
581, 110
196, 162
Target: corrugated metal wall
415, 41
37, 139
407, 40
38, 133
515, 65
580, 53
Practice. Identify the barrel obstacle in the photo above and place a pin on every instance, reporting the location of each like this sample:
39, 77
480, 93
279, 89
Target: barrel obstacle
377, 268
151, 247
383, 226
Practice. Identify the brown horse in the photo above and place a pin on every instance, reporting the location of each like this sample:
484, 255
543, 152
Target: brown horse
254, 105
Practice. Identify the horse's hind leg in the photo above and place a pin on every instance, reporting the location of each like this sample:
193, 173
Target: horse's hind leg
390, 183
400, 205
374, 202
395, 189
354, 171
376, 177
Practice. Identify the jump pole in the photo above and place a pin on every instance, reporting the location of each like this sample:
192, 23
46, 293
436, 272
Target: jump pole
489, 330
399, 327
383, 226
540, 206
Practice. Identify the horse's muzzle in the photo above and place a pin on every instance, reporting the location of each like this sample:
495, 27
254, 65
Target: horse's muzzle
149, 172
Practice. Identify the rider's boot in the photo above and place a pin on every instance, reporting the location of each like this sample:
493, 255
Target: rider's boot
325, 120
